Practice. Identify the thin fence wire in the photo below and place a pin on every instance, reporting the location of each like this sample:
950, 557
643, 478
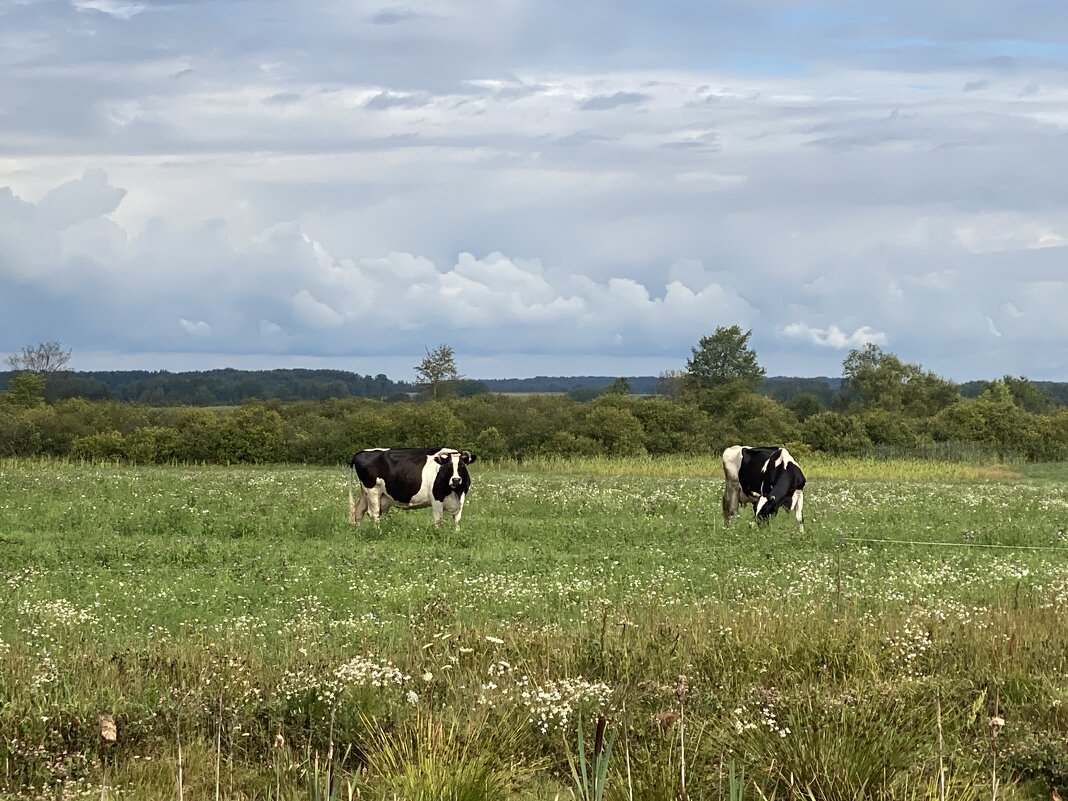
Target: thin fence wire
958, 544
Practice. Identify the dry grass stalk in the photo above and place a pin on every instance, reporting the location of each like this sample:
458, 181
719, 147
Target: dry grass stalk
109, 733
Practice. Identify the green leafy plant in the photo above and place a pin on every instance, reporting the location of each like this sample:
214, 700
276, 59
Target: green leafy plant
590, 775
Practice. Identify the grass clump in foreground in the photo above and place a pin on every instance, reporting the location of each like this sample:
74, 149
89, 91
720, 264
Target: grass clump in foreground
247, 643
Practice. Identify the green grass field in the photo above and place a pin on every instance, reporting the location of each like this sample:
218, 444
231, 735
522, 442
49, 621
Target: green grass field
246, 642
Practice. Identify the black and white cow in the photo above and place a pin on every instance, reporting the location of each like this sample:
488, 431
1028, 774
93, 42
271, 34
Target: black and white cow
410, 478
768, 478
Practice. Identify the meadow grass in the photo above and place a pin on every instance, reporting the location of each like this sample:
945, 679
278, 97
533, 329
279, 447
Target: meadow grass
248, 643
816, 465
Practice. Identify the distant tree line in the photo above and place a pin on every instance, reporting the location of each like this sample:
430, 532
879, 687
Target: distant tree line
880, 405
224, 387
230, 387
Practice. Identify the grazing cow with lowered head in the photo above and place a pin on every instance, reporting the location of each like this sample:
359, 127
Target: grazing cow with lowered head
768, 478
410, 478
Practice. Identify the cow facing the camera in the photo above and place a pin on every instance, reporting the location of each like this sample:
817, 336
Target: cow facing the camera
410, 478
767, 478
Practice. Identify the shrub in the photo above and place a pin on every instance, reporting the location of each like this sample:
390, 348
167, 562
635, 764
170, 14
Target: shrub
101, 447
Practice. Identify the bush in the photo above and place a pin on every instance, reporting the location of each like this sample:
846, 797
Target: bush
491, 444
106, 446
836, 434
617, 429
886, 428
18, 434
153, 445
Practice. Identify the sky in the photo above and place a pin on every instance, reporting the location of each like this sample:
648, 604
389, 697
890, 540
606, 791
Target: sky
549, 187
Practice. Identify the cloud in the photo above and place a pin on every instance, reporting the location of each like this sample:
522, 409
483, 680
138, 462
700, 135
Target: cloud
392, 16
196, 328
314, 313
114, 8
1011, 231
86, 198
433, 171
386, 100
615, 100
834, 337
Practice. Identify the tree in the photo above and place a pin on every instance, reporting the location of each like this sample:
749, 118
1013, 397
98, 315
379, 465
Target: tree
670, 383
804, 405
46, 357
26, 390
877, 380
874, 378
724, 357
437, 373
1027, 396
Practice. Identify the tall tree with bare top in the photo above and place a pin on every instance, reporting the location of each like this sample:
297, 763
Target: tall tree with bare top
45, 357
437, 373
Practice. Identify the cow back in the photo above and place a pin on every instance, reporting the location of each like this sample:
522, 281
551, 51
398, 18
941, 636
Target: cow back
399, 469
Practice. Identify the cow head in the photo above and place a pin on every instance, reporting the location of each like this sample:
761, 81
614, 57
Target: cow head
452, 470
782, 477
766, 506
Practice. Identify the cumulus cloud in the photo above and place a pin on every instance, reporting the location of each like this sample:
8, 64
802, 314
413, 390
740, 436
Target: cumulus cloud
75, 201
835, 337
314, 313
450, 184
196, 328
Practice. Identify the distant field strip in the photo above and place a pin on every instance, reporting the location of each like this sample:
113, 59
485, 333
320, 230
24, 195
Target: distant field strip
815, 466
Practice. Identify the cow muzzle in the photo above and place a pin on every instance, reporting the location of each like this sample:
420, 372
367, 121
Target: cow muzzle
766, 507
455, 481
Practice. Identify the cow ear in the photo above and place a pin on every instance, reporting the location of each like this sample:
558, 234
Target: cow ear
468, 457
441, 458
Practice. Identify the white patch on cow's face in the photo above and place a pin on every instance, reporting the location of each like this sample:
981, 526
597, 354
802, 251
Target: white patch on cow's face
455, 479
446, 456
760, 503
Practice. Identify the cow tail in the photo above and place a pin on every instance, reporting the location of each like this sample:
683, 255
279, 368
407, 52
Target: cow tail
352, 495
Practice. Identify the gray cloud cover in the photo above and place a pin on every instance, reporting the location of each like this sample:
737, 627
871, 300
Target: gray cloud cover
547, 188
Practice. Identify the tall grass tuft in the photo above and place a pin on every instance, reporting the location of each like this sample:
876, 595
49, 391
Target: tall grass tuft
430, 758
835, 748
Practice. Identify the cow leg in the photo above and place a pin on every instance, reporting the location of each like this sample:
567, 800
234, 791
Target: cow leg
797, 508
374, 503
731, 491
457, 514
357, 508
436, 510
